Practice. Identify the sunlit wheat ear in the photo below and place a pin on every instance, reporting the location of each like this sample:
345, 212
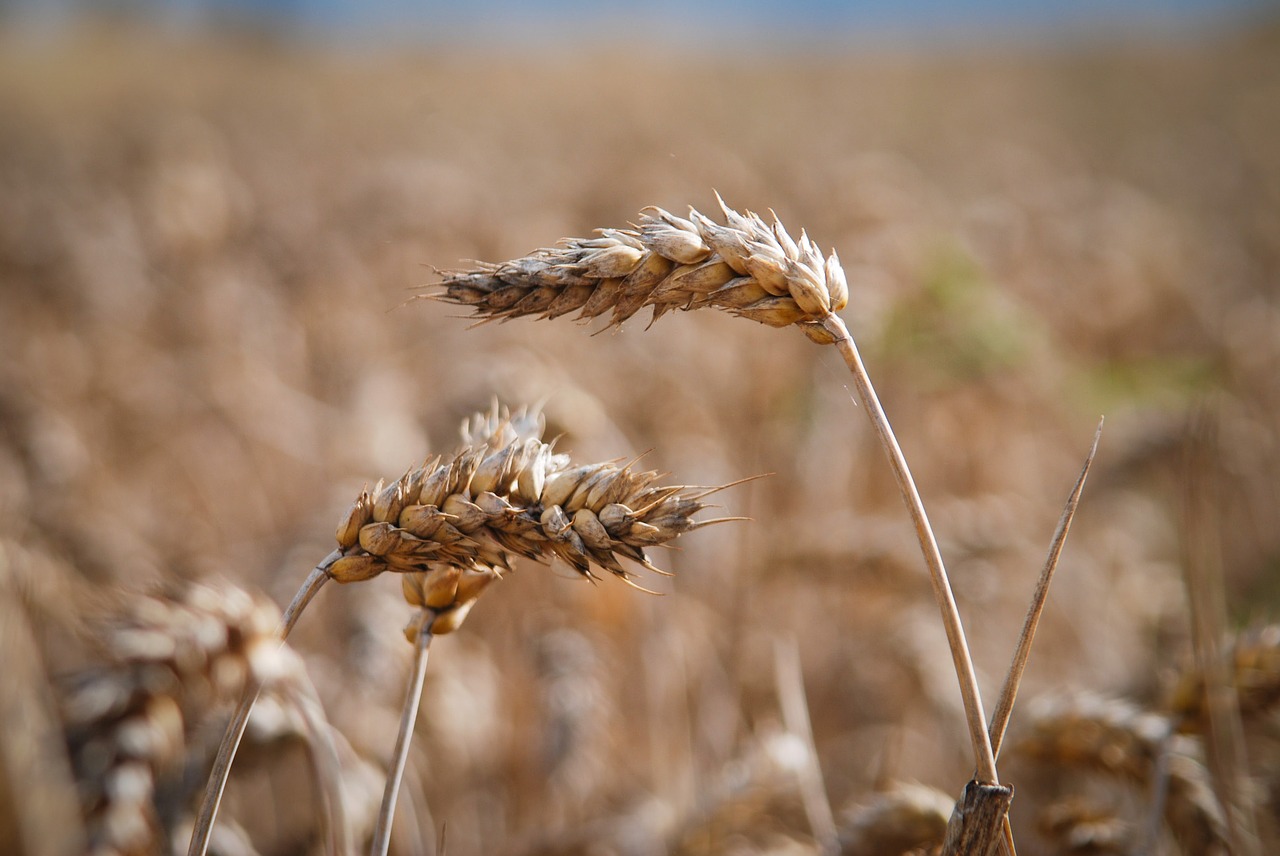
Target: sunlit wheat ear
174, 659
476, 510
453, 525
744, 266
1113, 738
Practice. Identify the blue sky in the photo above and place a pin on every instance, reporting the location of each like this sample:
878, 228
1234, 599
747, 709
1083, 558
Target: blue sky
854, 19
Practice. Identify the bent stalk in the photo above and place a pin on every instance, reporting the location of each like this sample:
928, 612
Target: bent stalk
974, 714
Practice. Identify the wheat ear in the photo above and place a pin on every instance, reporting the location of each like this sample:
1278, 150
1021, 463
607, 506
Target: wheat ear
174, 657
751, 269
906, 818
1117, 739
452, 526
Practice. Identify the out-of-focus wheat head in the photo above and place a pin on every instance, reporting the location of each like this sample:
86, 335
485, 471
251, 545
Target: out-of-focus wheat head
746, 267
906, 818
455, 523
173, 658
1081, 827
1115, 738
1253, 671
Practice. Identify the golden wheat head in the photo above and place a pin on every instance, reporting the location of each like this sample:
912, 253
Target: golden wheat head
745, 266
455, 523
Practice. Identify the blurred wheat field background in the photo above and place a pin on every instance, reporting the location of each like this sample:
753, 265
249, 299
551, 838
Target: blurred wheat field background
208, 250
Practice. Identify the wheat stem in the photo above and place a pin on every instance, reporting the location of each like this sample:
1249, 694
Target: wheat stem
408, 716
795, 714
230, 744
324, 760
974, 715
1009, 692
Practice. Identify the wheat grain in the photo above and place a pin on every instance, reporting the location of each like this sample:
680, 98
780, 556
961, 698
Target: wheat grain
746, 267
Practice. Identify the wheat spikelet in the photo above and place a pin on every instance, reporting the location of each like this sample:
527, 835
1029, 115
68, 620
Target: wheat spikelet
746, 266
907, 818
455, 523
754, 806
1254, 673
128, 727
1115, 738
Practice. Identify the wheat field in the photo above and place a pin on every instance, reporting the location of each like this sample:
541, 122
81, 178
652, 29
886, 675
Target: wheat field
210, 343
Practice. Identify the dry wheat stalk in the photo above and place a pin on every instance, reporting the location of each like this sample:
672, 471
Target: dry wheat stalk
174, 658
1115, 738
746, 267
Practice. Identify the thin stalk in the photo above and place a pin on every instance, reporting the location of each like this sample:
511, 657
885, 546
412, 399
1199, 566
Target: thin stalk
217, 783
324, 761
1225, 749
408, 716
974, 714
795, 715
1009, 692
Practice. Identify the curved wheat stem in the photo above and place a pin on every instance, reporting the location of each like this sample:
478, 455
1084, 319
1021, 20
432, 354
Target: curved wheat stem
974, 715
748, 268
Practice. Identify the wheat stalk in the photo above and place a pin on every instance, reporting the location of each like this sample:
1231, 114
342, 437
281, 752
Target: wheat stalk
751, 269
420, 628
